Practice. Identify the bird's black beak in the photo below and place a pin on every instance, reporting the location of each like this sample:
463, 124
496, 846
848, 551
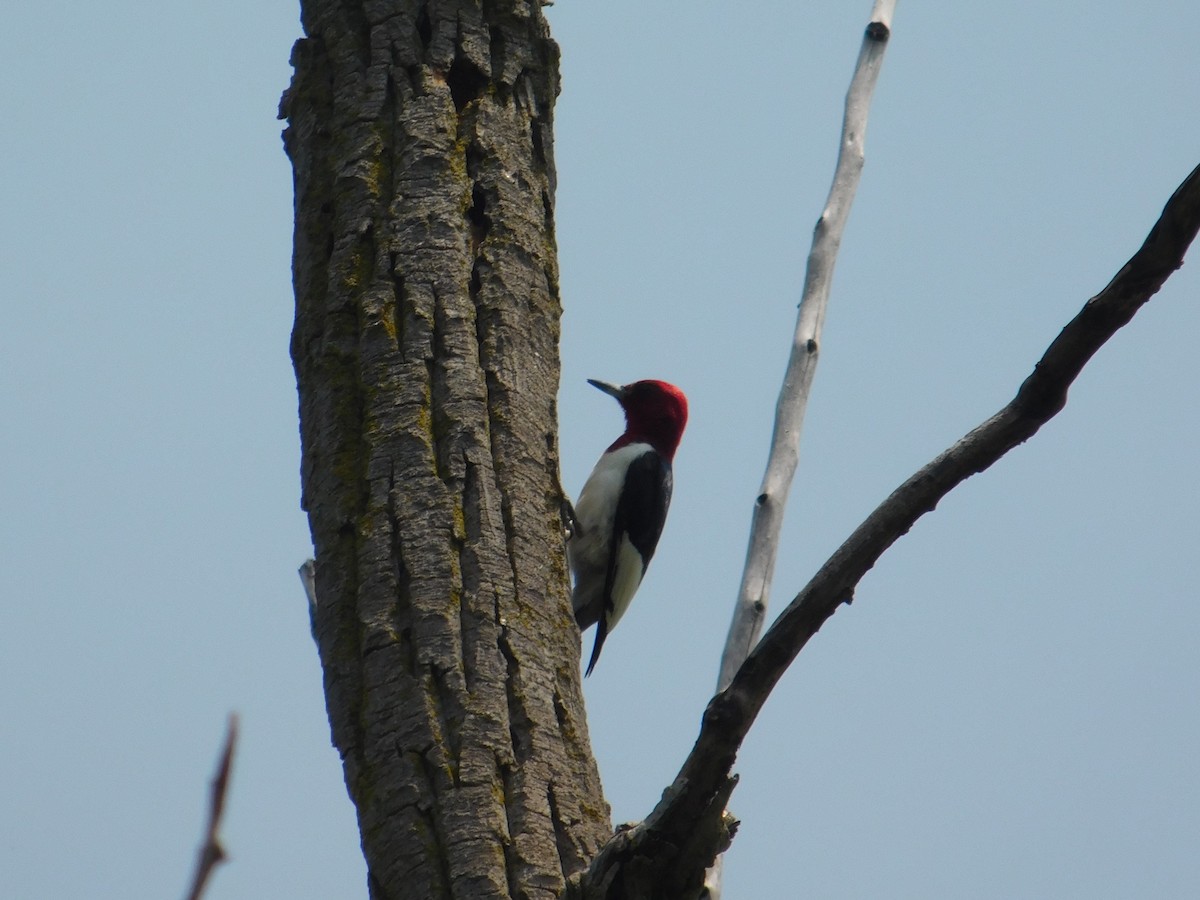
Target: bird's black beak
611, 389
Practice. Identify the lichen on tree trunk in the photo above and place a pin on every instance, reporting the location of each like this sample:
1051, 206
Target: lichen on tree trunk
426, 355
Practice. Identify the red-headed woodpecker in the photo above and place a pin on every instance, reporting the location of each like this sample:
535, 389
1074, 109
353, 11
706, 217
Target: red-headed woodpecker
622, 507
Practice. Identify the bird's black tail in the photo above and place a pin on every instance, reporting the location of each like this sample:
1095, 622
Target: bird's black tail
601, 634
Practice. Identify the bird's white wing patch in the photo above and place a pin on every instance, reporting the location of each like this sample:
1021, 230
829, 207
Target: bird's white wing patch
596, 504
628, 577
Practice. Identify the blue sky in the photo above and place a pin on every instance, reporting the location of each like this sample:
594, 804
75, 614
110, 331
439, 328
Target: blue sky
1008, 709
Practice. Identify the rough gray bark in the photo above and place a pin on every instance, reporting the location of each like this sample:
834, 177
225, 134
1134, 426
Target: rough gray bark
426, 354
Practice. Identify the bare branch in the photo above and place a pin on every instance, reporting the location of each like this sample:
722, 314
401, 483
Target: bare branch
211, 851
754, 593
704, 782
1043, 394
766, 521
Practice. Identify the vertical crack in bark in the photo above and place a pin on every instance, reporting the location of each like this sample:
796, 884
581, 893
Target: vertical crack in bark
506, 515
512, 859
481, 224
568, 859
401, 627
448, 712
495, 414
435, 839
535, 137
388, 268
400, 305
520, 726
439, 393
424, 26
466, 83
469, 565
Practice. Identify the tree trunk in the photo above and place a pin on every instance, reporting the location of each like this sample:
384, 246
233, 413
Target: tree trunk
426, 354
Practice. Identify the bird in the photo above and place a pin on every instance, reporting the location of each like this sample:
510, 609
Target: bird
619, 516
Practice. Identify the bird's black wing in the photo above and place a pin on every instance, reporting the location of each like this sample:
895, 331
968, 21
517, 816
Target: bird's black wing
640, 516
642, 507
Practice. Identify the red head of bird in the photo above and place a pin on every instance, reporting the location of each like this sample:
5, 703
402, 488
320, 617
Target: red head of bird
656, 413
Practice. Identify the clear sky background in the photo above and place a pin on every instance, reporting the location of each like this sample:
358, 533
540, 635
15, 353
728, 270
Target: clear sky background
1010, 707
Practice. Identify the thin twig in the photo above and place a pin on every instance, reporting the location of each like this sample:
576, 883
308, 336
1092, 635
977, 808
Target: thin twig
750, 611
211, 851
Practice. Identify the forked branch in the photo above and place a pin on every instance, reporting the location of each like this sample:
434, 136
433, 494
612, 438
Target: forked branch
704, 782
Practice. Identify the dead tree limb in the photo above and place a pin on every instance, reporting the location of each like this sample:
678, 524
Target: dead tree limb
212, 853
767, 519
625, 866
